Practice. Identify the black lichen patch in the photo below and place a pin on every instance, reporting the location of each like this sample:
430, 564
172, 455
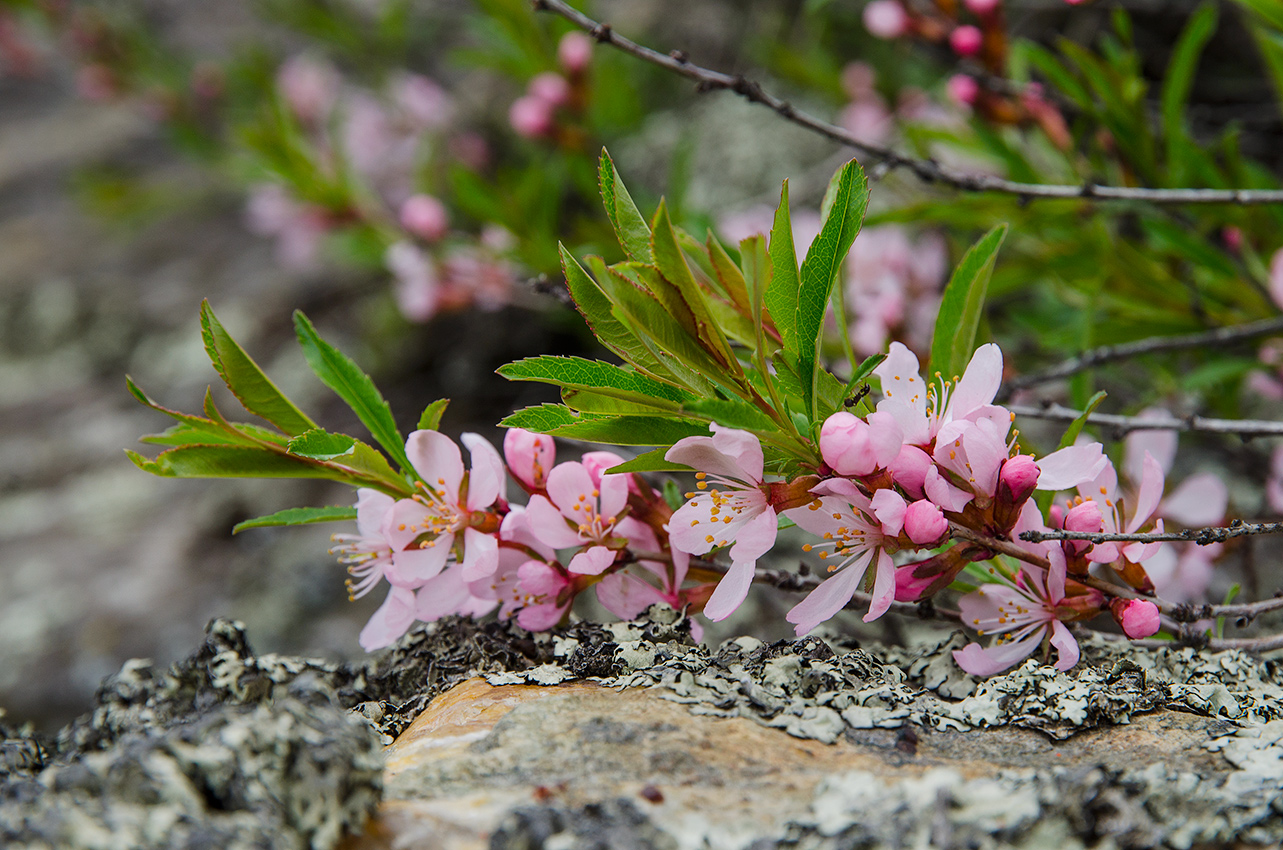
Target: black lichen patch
609, 825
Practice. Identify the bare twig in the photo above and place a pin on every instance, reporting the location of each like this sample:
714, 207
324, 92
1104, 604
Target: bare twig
927, 170
1201, 536
1110, 353
1123, 425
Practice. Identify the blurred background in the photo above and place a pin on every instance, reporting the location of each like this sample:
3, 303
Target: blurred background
403, 170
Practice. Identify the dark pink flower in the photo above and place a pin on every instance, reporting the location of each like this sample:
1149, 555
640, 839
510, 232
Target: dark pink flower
966, 40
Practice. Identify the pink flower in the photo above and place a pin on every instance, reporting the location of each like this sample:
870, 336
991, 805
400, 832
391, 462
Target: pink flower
531, 117
855, 533
1103, 489
963, 89
1023, 613
886, 19
982, 7
1138, 617
393, 619
440, 520
417, 288
549, 87
519, 546
309, 86
530, 456
731, 505
579, 511
1276, 277
574, 52
924, 523
425, 217
368, 552
424, 103
922, 410
966, 40
852, 446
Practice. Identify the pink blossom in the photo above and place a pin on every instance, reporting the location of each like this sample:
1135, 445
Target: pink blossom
531, 117
963, 89
854, 534
393, 618
425, 217
439, 521
854, 446
530, 456
299, 229
1276, 278
858, 79
922, 410
449, 592
1018, 479
1023, 613
518, 546
893, 286
924, 523
868, 120
574, 52
730, 505
886, 19
425, 104
368, 553
417, 288
549, 87
577, 510
982, 7
966, 40
1138, 617
1103, 489
309, 86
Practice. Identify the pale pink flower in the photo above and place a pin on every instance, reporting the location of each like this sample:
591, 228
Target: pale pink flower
299, 229
416, 286
886, 19
869, 120
1022, 612
549, 87
1276, 277
438, 521
368, 553
1103, 490
425, 105
627, 596
731, 505
580, 511
425, 217
531, 117
449, 592
858, 79
530, 457
574, 52
393, 618
518, 545
963, 89
855, 535
922, 409
966, 40
893, 286
924, 523
309, 86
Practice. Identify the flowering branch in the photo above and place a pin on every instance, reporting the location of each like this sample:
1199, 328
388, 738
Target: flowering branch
1201, 536
1110, 353
1123, 425
927, 170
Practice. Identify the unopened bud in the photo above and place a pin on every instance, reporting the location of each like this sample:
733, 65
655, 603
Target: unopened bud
924, 522
425, 217
966, 40
574, 52
852, 446
1138, 617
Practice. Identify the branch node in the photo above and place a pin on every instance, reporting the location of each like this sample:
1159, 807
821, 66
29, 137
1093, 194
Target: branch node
603, 33
679, 56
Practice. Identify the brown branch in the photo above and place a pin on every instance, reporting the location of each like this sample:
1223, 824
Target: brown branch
1201, 536
1110, 353
1123, 425
927, 170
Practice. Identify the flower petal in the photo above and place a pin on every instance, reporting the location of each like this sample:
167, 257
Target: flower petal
830, 597
437, 460
372, 509
412, 567
480, 554
626, 596
730, 591
979, 384
548, 525
592, 562
1151, 493
485, 482
1071, 466
889, 507
755, 538
1200, 500
393, 619
883, 587
1066, 646
979, 661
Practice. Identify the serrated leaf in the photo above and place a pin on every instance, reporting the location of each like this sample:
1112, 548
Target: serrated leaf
651, 461
954, 339
630, 227
1076, 427
241, 432
338, 372
298, 516
236, 462
781, 292
319, 444
430, 419
632, 430
540, 418
732, 413
615, 402
589, 374
671, 263
246, 380
199, 428
849, 198
728, 275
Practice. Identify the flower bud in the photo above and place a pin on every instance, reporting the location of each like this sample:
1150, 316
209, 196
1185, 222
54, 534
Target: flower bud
966, 40
846, 445
963, 89
1085, 517
574, 52
982, 7
1016, 482
531, 117
924, 522
1138, 617
549, 87
529, 456
598, 462
886, 19
425, 217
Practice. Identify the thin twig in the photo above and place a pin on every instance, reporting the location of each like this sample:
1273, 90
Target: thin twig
927, 170
1201, 536
1110, 353
1123, 425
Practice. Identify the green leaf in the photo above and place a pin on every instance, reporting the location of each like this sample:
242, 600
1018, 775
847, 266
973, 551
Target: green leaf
672, 265
541, 418
954, 339
591, 375
732, 413
1076, 427
632, 430
319, 444
728, 275
615, 402
337, 371
865, 369
246, 380
430, 420
196, 429
630, 227
1180, 74
782, 290
234, 462
651, 461
298, 516
849, 193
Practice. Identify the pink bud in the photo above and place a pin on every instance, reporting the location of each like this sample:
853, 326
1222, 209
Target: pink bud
982, 8
574, 52
924, 522
549, 87
529, 456
852, 446
308, 85
858, 79
1018, 478
963, 89
425, 217
1233, 237
909, 470
1084, 518
598, 462
531, 117
1138, 617
966, 40
886, 19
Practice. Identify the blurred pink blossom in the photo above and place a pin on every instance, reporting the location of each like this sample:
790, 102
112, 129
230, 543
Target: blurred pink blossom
966, 40
982, 7
574, 52
299, 230
425, 217
416, 287
549, 87
963, 89
309, 86
426, 106
893, 287
531, 117
886, 19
